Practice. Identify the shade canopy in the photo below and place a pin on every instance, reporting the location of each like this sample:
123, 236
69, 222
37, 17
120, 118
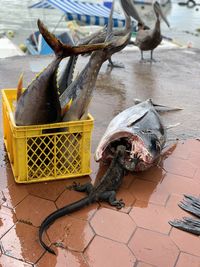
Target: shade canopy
88, 13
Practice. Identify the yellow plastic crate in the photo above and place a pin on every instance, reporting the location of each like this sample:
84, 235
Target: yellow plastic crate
46, 152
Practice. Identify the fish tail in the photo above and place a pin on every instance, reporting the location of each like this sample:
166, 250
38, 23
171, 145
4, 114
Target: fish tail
65, 50
20, 86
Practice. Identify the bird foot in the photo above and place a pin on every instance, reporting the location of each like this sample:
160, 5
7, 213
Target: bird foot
116, 65
149, 60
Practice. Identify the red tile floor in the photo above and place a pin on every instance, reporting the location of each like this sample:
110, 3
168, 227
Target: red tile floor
138, 235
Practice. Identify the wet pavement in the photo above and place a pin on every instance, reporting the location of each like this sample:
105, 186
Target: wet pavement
138, 235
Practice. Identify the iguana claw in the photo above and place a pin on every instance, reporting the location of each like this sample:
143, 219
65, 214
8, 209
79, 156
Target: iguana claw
120, 204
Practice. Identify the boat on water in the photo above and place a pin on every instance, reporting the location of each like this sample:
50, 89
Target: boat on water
8, 48
36, 45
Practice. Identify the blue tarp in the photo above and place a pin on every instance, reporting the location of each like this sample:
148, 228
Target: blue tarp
89, 13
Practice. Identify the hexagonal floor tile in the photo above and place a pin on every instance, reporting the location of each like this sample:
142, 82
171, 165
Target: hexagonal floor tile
194, 158
112, 224
7, 261
108, 253
154, 174
70, 196
175, 184
128, 179
147, 191
7, 220
47, 190
21, 242
179, 150
154, 217
14, 194
197, 176
34, 210
186, 260
143, 264
186, 242
71, 233
180, 167
173, 208
191, 145
153, 248
63, 258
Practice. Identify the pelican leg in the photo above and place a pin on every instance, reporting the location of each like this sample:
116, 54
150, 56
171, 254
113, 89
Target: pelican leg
142, 60
115, 64
152, 59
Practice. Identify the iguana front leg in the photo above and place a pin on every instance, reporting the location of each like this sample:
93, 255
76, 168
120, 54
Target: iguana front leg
110, 197
87, 188
130, 165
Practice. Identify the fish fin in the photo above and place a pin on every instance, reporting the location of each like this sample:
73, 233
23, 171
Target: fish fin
65, 50
109, 34
66, 107
133, 119
172, 125
161, 108
20, 86
158, 107
137, 101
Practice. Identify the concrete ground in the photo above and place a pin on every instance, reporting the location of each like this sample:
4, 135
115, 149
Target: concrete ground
139, 234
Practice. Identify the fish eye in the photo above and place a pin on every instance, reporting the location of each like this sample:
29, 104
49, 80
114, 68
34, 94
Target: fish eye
147, 131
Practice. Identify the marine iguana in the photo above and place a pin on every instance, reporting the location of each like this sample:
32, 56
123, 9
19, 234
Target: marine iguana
104, 190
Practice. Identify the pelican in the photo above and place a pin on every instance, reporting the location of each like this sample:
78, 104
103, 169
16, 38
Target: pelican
148, 39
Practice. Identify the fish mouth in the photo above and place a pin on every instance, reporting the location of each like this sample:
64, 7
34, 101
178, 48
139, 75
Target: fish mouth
135, 150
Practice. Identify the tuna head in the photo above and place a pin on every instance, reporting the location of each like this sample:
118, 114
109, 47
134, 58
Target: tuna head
140, 129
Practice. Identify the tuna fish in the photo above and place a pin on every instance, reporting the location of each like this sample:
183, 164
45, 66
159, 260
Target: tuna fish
39, 103
141, 130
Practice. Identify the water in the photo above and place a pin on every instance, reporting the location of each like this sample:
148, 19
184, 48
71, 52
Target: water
15, 16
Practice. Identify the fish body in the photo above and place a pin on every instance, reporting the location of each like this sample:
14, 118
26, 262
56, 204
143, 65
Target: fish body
39, 103
141, 130
81, 89
190, 204
65, 71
